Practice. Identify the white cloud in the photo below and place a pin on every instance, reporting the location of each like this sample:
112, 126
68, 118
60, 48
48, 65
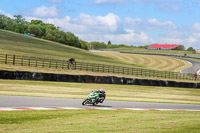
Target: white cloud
191, 40
133, 21
155, 24
98, 28
44, 11
196, 35
170, 40
111, 27
150, 24
6, 14
196, 27
109, 23
27, 18
128, 38
183, 37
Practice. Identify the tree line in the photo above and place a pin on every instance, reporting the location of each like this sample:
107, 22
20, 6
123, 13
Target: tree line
50, 32
41, 30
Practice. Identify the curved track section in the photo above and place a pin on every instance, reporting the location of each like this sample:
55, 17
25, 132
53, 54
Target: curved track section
19, 102
194, 68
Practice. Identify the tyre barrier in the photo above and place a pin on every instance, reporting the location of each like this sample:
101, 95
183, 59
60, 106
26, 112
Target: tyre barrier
25, 75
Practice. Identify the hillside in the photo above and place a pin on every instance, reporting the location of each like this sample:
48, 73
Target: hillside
14, 43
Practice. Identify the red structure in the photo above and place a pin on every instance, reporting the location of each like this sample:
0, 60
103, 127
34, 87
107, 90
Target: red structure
163, 46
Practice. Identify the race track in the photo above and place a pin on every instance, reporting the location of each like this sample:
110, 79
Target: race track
27, 102
194, 68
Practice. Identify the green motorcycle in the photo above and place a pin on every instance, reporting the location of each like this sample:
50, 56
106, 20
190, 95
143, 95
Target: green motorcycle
93, 98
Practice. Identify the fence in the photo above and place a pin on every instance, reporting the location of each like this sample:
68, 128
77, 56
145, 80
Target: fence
63, 64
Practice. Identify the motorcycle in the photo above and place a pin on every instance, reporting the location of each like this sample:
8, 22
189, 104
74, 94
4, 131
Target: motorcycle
93, 98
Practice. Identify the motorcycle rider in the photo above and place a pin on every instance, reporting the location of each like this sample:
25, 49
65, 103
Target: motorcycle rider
102, 95
95, 97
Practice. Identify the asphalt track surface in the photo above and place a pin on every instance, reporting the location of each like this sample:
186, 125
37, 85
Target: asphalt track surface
26, 102
194, 68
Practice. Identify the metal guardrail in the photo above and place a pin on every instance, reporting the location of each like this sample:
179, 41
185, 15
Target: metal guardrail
82, 66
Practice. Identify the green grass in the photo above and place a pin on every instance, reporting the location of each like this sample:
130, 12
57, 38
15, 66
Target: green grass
193, 59
91, 120
105, 121
14, 43
18, 44
114, 92
150, 61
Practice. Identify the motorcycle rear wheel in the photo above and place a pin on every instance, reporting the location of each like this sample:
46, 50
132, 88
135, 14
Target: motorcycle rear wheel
85, 102
95, 103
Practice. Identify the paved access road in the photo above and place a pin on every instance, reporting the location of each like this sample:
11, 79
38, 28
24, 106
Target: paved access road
23, 102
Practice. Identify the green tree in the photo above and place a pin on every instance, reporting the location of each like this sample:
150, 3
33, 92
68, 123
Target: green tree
19, 18
109, 42
35, 29
49, 35
37, 22
180, 47
60, 36
98, 45
3, 20
84, 44
41, 30
72, 40
10, 25
190, 49
20, 25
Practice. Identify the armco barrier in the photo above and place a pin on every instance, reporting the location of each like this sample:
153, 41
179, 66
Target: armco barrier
24, 75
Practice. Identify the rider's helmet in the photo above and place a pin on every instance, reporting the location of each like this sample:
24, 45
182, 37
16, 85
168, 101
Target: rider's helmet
101, 90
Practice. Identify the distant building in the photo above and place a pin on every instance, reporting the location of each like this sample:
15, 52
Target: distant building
163, 46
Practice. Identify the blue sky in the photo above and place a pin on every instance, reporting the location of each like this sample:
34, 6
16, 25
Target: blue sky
130, 22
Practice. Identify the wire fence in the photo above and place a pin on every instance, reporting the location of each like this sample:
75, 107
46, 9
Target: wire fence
82, 66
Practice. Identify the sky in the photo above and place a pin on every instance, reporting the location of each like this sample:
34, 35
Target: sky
129, 22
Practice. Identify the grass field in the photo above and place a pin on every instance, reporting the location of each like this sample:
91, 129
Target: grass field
150, 61
114, 92
74, 121
92, 120
13, 43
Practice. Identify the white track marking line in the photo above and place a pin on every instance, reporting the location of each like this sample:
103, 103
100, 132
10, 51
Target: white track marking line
85, 108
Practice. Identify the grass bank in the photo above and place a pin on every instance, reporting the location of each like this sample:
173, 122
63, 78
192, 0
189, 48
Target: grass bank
99, 121
150, 61
18, 44
114, 92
